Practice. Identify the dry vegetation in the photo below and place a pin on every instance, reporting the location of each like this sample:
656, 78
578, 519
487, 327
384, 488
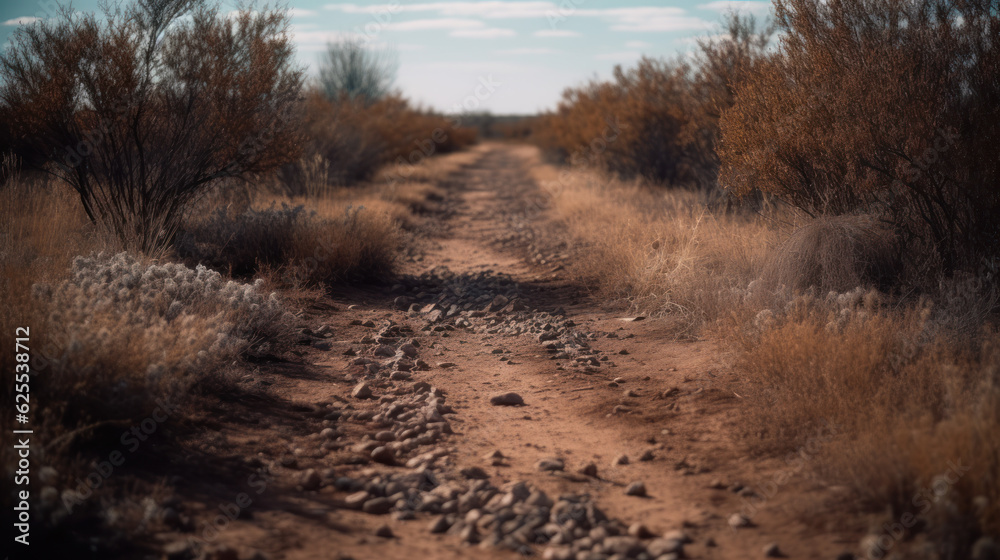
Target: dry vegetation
175, 250
859, 291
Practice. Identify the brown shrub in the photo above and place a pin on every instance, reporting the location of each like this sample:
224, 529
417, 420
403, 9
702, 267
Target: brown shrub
835, 253
658, 120
142, 109
356, 138
886, 107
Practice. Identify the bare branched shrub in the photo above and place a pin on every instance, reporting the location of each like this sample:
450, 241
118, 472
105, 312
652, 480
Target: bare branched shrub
142, 109
886, 107
350, 70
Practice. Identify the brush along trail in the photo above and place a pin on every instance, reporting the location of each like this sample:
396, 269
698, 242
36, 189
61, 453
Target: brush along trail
483, 406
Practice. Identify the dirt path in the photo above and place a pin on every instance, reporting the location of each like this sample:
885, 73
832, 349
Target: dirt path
484, 312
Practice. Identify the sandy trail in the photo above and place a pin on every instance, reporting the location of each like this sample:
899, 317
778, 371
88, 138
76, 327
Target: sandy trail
671, 402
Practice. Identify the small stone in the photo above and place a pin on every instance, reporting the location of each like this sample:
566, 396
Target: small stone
507, 399
322, 344
590, 469
548, 465
637, 488
384, 532
385, 351
328, 433
362, 391
446, 365
474, 473
310, 480
384, 454
385, 435
378, 506
356, 500
677, 535
647, 456
738, 520
621, 460
639, 531
772, 551
439, 525
661, 547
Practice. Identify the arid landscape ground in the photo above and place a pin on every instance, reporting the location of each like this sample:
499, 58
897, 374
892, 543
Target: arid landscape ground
604, 386
740, 303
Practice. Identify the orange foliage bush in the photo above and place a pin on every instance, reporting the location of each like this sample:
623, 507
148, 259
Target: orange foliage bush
887, 107
658, 120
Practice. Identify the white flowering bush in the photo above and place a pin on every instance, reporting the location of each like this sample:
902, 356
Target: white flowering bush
127, 328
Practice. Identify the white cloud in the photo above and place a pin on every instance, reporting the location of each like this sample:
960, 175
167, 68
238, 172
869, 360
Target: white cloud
647, 18
755, 6
490, 9
485, 33
556, 33
23, 20
299, 12
527, 50
622, 55
638, 18
638, 44
440, 23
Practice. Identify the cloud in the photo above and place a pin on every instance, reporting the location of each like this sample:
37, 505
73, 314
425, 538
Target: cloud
755, 6
23, 20
527, 50
485, 33
490, 9
638, 18
299, 12
440, 23
556, 33
621, 55
638, 44
647, 18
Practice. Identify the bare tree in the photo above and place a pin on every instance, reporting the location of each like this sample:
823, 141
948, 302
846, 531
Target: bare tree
349, 69
140, 111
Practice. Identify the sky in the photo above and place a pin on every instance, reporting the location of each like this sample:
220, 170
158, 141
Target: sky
506, 57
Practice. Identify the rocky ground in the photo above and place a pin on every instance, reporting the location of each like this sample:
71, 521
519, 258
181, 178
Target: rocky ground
484, 407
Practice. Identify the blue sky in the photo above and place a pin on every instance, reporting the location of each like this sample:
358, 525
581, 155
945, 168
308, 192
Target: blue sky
502, 56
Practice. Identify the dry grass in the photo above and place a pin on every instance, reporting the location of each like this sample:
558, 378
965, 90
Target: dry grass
911, 385
658, 252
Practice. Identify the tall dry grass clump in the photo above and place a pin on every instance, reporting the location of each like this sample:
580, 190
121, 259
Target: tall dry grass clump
316, 242
887, 108
659, 252
910, 400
